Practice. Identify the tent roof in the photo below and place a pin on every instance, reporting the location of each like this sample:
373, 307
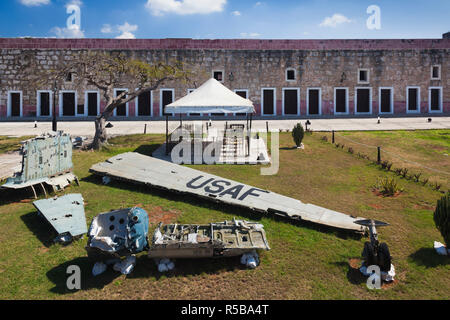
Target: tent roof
211, 97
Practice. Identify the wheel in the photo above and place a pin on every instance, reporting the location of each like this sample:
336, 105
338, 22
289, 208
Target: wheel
369, 254
384, 257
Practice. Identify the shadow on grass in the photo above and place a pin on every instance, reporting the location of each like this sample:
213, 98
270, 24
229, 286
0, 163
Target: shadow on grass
8, 196
354, 276
217, 205
289, 148
58, 276
40, 228
146, 267
147, 149
429, 258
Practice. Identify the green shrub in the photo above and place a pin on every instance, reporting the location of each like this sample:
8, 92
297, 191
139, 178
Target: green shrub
442, 217
387, 187
298, 133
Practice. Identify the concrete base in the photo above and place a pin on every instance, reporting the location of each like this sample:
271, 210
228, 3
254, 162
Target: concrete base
258, 154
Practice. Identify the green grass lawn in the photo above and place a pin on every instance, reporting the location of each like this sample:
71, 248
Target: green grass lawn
306, 261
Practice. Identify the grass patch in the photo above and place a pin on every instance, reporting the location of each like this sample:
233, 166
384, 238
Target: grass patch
307, 261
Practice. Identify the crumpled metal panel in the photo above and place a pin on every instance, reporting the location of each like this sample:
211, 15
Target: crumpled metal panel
118, 233
65, 214
43, 157
137, 168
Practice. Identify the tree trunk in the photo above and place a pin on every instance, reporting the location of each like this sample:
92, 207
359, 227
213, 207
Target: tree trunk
100, 138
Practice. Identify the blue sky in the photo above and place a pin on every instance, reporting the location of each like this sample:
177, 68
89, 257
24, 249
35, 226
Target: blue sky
215, 19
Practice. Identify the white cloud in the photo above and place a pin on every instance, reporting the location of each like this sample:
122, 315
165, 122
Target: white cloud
236, 13
334, 20
250, 34
258, 4
34, 3
75, 2
184, 7
127, 31
106, 28
74, 32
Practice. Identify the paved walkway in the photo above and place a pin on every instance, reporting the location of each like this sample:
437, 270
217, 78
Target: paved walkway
86, 128
9, 164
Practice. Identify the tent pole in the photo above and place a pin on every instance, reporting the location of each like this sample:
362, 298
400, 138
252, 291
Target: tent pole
167, 134
250, 134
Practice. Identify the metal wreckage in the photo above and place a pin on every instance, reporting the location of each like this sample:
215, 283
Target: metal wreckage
115, 237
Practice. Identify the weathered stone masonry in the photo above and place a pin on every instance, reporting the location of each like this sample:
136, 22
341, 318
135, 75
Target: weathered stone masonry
252, 65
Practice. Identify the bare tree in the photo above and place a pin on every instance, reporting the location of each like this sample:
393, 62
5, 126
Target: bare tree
107, 71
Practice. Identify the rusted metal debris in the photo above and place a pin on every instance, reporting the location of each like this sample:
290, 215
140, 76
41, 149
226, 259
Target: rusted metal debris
139, 169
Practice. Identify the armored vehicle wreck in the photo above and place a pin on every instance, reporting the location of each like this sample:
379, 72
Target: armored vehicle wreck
45, 159
222, 239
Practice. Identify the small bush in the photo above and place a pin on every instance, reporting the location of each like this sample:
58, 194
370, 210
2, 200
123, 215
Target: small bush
324, 138
387, 187
297, 134
384, 164
350, 150
441, 217
436, 186
416, 177
398, 171
404, 172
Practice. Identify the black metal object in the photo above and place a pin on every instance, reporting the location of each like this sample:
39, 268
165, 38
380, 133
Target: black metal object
375, 253
378, 155
54, 122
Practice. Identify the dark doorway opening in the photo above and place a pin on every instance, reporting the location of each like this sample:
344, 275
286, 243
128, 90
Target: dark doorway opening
313, 101
68, 101
290, 101
121, 110
243, 94
413, 104
15, 104
363, 100
92, 100
167, 98
144, 104
341, 100
435, 99
44, 98
385, 100
268, 103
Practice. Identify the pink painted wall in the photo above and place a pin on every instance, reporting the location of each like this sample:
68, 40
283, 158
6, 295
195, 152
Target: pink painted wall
240, 44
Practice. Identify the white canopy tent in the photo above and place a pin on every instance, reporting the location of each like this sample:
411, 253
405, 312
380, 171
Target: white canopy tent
211, 97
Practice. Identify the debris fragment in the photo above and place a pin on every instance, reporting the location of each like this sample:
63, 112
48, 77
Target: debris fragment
440, 248
221, 239
152, 172
117, 234
45, 159
65, 214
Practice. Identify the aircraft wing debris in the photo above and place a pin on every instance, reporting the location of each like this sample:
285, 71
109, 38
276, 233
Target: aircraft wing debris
140, 169
65, 214
45, 159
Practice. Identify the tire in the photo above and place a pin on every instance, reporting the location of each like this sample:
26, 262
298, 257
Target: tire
384, 257
369, 254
